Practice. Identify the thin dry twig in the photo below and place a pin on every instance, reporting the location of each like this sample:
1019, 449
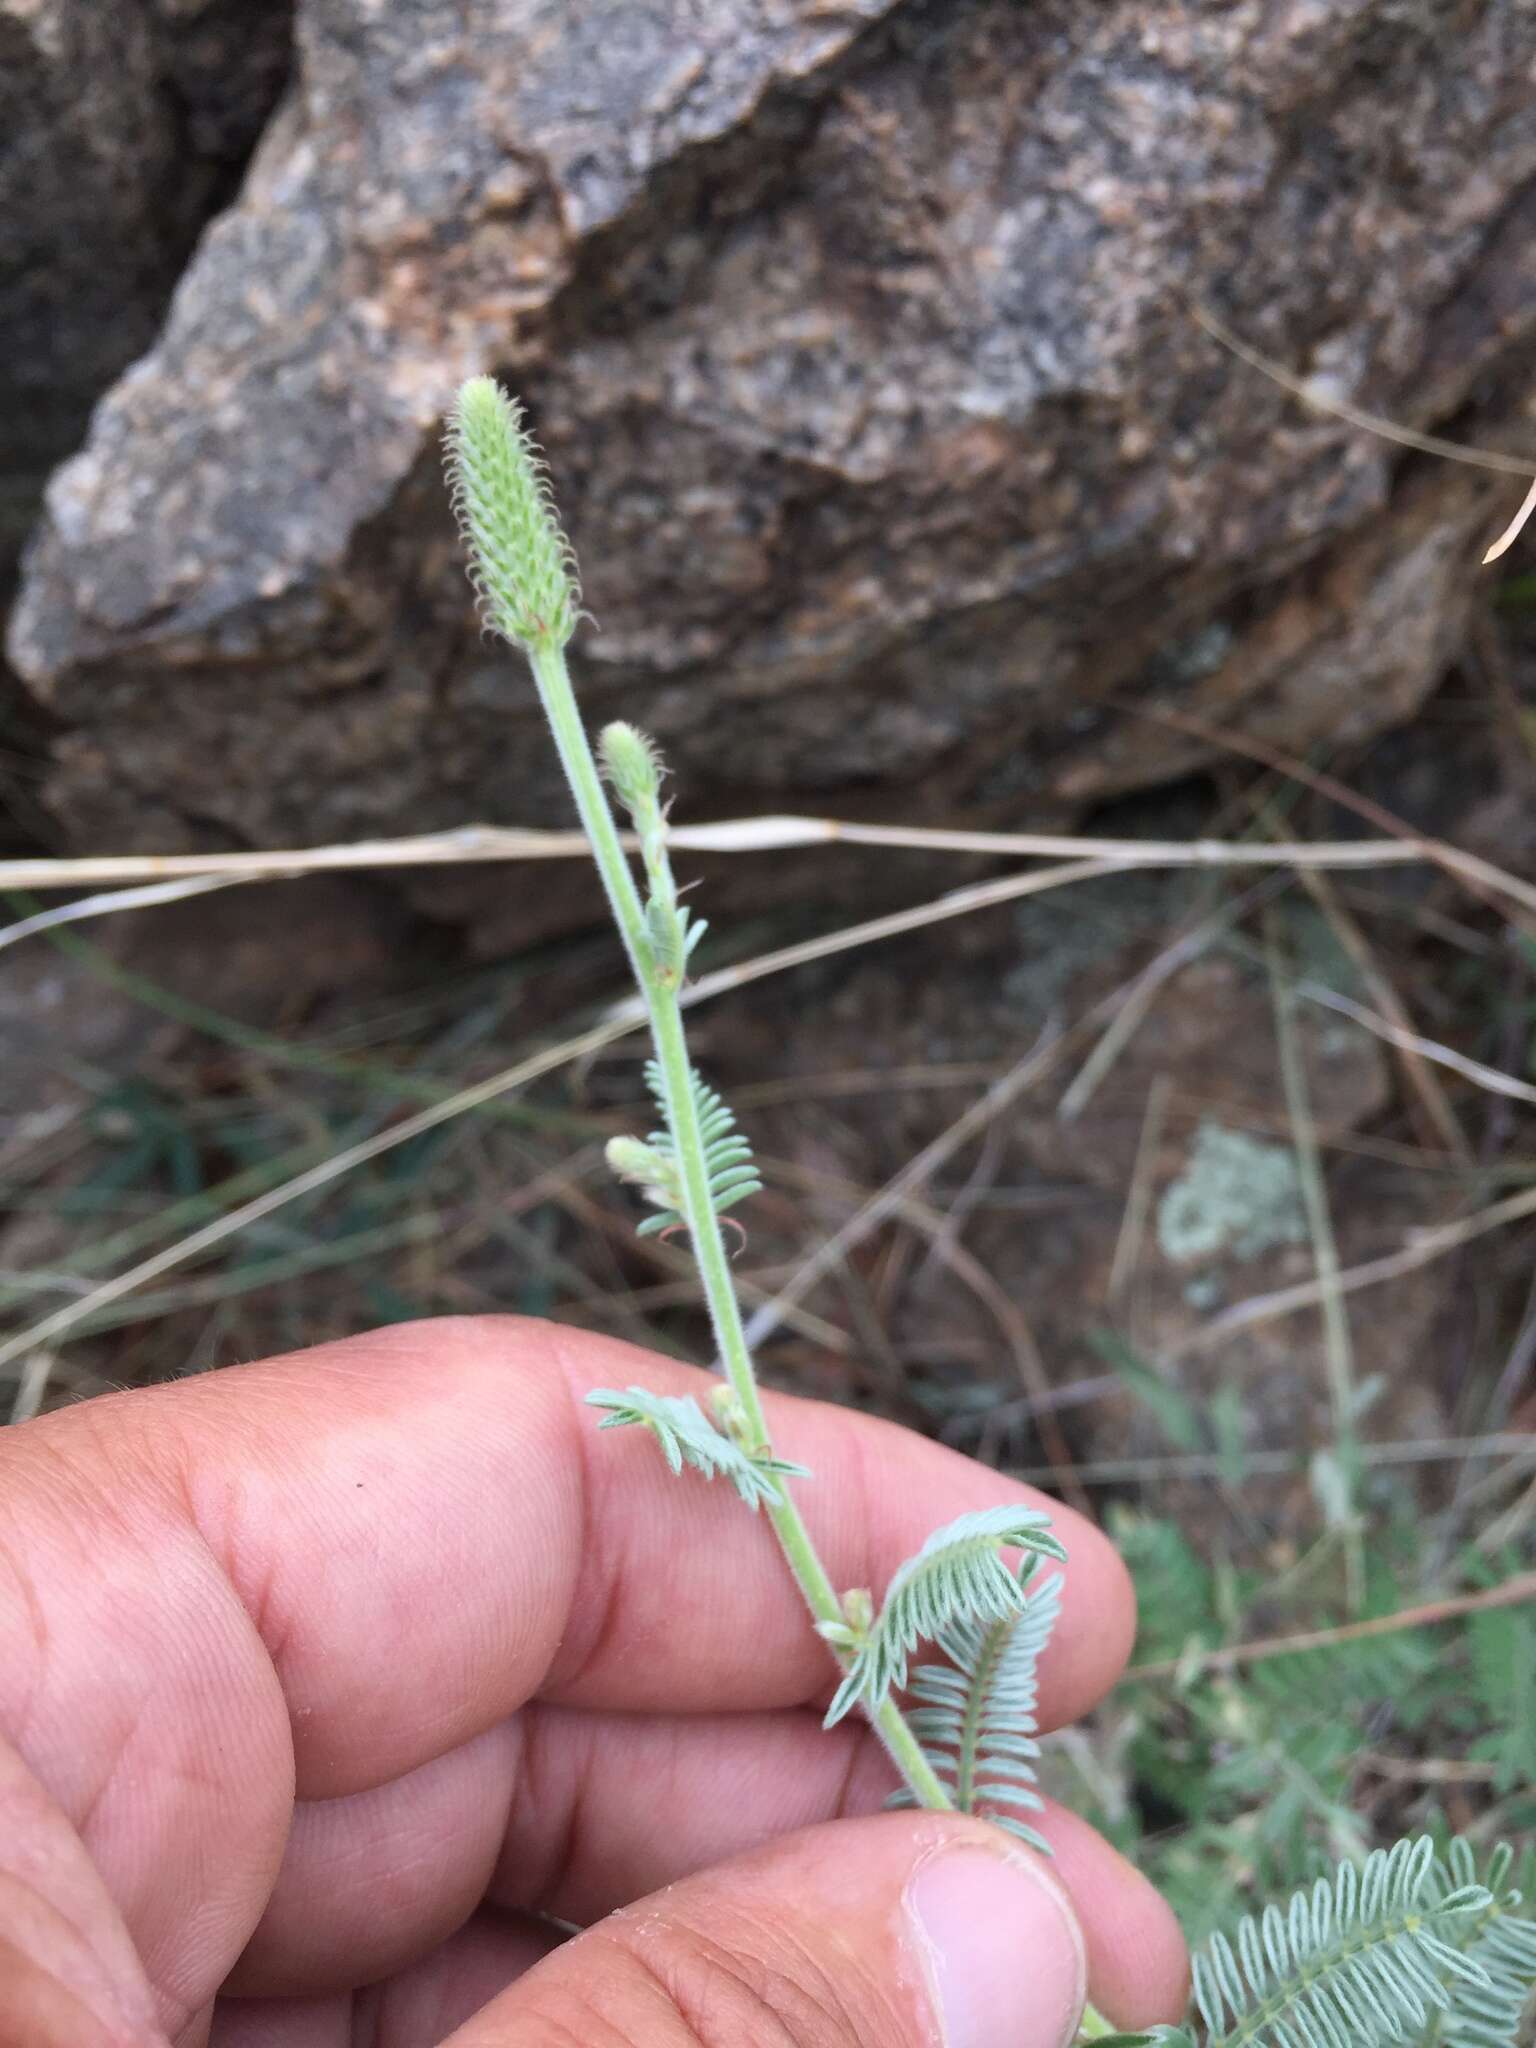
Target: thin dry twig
1421, 1250
1513, 1592
1338, 1342
1314, 396
1033, 1067
743, 835
1427, 1770
1491, 1078
982, 1176
107, 902
468, 845
980, 1115
940, 1074
1426, 1094
68, 1318
603, 1222
1013, 1324
1139, 1195
1140, 994
1518, 1449
35, 1375
1019, 1335
1479, 877
1515, 528
957, 903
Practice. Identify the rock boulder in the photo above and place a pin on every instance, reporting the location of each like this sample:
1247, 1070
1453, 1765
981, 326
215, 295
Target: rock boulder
862, 342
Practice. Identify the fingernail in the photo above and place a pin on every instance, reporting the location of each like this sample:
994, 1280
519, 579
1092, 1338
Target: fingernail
1004, 1953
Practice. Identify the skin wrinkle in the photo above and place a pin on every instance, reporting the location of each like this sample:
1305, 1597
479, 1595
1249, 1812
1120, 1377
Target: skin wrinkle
37, 1624
45, 1863
47, 1914
157, 1529
561, 1825
97, 1809
55, 2017
256, 1588
570, 1457
224, 1637
421, 1838
573, 1832
365, 2022
690, 2037
193, 2033
574, 1659
517, 1778
71, 1507
720, 1970
547, 1772
533, 1863
84, 1816
862, 1751
248, 1561
491, 1951
557, 2034
800, 1986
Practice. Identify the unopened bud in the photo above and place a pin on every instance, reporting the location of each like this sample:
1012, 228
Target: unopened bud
520, 561
633, 1160
632, 764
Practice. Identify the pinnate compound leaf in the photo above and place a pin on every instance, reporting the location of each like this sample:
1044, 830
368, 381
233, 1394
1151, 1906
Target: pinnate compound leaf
688, 1437
1363, 1959
958, 1577
727, 1158
975, 1716
1499, 1940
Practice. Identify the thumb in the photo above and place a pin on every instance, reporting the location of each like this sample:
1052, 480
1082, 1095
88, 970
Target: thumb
903, 1931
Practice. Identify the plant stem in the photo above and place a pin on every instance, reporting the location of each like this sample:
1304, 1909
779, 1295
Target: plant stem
581, 772
662, 1001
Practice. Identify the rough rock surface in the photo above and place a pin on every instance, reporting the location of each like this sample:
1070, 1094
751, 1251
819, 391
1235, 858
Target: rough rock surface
859, 337
122, 127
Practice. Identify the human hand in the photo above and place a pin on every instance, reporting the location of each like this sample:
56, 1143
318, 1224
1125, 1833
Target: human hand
326, 1684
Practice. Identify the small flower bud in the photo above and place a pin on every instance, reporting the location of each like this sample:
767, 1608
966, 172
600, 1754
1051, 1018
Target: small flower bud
839, 1635
632, 764
666, 932
632, 1160
726, 1407
859, 1611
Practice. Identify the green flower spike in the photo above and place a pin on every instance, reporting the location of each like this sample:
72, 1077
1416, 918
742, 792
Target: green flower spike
521, 563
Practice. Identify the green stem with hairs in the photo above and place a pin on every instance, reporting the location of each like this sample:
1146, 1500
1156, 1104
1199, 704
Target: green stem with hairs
661, 993
661, 998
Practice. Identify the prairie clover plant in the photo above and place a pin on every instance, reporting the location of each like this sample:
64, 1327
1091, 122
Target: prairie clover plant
1413, 1947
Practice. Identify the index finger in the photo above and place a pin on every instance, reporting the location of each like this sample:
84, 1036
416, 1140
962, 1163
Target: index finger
427, 1530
